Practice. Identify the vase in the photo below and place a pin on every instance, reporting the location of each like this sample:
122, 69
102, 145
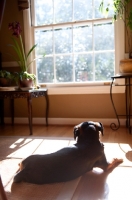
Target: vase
125, 66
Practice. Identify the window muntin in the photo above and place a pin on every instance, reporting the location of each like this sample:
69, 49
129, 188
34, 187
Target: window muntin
75, 52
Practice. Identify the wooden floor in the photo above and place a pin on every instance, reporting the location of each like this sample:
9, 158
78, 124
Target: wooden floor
121, 135
96, 185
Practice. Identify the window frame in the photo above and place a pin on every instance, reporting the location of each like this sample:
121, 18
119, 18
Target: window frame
80, 88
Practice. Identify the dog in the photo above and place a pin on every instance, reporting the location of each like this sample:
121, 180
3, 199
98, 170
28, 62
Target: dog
70, 162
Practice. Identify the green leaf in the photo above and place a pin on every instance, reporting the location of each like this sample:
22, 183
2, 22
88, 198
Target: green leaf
101, 6
18, 51
34, 60
33, 47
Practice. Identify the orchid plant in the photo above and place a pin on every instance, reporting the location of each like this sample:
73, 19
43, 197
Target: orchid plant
18, 47
23, 61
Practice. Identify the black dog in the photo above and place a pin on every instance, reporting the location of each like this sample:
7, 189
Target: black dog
69, 162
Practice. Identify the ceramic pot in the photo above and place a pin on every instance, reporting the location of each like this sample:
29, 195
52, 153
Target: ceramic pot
4, 82
125, 66
26, 83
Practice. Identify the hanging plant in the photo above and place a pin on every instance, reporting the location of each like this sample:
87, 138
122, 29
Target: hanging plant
120, 10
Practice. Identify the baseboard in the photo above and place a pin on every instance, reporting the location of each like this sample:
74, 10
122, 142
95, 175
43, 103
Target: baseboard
65, 121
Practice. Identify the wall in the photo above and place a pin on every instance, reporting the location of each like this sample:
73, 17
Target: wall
61, 106
11, 14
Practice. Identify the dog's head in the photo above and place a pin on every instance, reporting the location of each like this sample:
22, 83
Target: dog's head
88, 131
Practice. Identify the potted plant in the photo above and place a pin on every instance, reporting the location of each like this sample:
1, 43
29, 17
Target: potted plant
22, 58
26, 79
5, 78
121, 10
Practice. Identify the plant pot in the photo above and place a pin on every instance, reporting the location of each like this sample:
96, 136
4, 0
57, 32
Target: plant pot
5, 82
126, 66
26, 83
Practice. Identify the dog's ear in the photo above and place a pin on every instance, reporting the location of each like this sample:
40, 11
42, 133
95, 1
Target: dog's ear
100, 127
76, 132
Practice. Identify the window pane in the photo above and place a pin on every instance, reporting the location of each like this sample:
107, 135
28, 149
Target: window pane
82, 38
83, 68
82, 9
63, 40
43, 12
64, 71
104, 66
44, 42
104, 36
75, 52
63, 11
45, 70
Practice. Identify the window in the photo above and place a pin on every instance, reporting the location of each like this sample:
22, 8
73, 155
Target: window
82, 47
78, 41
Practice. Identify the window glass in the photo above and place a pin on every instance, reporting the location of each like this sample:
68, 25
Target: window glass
45, 70
82, 38
78, 41
104, 36
43, 12
44, 41
63, 40
82, 10
62, 11
64, 70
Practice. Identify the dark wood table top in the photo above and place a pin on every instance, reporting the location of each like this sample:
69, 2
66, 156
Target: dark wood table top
12, 93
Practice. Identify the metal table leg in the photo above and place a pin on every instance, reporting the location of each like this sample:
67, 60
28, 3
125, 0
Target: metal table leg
47, 108
2, 111
113, 125
128, 103
12, 111
29, 102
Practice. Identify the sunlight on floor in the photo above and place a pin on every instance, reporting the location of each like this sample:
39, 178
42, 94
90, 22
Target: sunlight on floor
26, 147
93, 185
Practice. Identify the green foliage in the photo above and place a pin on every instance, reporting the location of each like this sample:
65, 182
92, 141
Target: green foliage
121, 10
26, 75
5, 74
23, 62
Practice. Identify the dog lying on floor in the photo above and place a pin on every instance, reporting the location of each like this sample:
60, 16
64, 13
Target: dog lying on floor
70, 162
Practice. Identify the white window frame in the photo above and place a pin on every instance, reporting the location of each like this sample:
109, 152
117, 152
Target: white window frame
81, 88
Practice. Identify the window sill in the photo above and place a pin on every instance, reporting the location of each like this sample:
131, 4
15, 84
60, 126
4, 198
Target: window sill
80, 88
85, 90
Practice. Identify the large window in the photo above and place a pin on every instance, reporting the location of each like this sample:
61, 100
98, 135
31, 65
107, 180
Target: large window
78, 42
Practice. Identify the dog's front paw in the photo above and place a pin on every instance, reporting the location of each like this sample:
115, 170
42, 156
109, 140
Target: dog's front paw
114, 164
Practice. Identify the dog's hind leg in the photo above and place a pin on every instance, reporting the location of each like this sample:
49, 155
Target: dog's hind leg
19, 177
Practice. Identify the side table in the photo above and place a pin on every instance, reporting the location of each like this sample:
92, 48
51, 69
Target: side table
127, 85
29, 94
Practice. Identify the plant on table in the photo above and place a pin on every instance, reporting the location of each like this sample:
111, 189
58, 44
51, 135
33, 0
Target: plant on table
5, 78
